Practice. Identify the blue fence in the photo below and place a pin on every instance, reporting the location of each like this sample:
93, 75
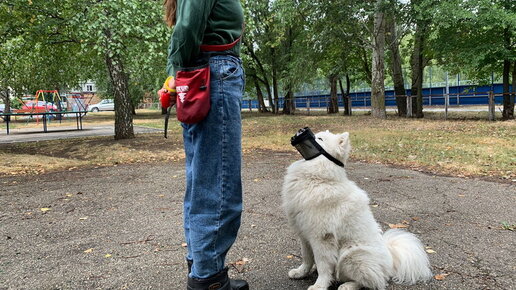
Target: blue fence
458, 95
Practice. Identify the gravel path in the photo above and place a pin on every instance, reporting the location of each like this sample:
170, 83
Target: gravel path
120, 227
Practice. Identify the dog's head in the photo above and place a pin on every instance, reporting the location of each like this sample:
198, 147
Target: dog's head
337, 145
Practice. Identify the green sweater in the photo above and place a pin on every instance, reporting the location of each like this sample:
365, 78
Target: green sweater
203, 22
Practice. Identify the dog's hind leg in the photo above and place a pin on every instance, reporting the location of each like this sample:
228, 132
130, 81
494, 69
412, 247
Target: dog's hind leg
325, 255
308, 261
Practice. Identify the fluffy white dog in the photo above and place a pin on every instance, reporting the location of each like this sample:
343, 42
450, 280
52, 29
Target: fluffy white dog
337, 230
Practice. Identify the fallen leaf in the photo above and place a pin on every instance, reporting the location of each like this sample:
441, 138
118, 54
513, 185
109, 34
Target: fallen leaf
107, 256
161, 195
83, 218
256, 180
416, 218
45, 209
430, 251
440, 277
242, 262
89, 251
290, 257
398, 226
69, 195
462, 195
184, 245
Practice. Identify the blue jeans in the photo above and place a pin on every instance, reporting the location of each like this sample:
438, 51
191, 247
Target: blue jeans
213, 147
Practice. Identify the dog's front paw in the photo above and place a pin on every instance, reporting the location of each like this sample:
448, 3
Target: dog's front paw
349, 286
299, 273
317, 287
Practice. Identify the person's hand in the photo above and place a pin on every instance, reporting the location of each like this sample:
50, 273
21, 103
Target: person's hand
167, 94
170, 84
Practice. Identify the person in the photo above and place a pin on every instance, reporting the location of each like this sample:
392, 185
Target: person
213, 198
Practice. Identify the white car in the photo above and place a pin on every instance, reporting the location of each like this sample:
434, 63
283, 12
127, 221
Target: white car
104, 105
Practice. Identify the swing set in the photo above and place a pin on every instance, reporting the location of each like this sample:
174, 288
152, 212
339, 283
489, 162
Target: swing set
49, 105
45, 105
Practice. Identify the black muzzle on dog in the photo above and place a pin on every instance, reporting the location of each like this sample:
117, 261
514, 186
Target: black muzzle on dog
307, 146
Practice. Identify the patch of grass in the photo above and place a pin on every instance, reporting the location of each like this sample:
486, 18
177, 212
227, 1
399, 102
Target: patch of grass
508, 227
458, 148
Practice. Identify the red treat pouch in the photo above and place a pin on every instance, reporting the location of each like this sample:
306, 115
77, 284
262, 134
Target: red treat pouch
193, 94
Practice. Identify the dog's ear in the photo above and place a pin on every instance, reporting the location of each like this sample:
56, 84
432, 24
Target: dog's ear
344, 144
343, 139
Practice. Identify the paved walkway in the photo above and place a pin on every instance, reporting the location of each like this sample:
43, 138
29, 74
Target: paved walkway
37, 134
121, 227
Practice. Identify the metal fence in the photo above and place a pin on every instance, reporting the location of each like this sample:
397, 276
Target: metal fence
443, 102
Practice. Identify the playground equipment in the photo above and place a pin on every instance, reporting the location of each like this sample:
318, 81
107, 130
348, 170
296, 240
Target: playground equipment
48, 105
45, 105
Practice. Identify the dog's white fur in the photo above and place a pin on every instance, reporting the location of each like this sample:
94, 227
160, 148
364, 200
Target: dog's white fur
337, 230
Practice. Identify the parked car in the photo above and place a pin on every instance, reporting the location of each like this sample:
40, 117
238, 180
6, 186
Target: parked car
2, 108
104, 105
37, 107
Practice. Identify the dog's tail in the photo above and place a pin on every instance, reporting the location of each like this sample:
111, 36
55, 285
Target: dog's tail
410, 260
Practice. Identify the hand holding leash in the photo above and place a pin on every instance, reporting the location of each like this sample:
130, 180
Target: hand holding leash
167, 97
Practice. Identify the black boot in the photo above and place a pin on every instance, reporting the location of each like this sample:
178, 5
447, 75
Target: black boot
223, 275
219, 281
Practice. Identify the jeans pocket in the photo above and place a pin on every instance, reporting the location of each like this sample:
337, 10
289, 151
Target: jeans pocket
230, 68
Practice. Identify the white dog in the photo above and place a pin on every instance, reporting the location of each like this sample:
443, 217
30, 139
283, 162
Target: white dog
337, 230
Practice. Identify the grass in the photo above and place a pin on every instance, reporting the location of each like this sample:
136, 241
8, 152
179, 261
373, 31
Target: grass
465, 146
508, 226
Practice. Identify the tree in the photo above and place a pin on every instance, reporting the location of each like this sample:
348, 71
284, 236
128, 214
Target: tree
277, 43
260, 45
36, 47
72, 41
476, 36
338, 41
129, 36
393, 43
378, 75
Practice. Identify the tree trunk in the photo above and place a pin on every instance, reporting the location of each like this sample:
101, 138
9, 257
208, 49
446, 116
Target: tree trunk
259, 95
7, 100
262, 71
508, 100
275, 104
123, 109
289, 105
513, 97
333, 104
378, 70
345, 96
366, 65
417, 73
396, 70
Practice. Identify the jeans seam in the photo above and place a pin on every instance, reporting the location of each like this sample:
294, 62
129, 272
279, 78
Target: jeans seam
223, 172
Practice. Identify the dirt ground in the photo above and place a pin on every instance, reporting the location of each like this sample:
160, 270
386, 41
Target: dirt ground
121, 227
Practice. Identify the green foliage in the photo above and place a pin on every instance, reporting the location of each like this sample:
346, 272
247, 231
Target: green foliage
474, 36
57, 44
